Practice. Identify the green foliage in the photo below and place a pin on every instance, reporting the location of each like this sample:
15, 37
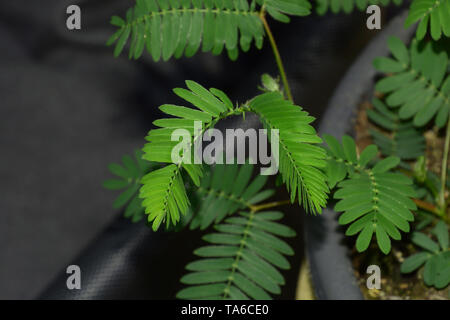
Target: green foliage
171, 28
164, 196
241, 259
224, 190
419, 84
436, 257
423, 219
347, 6
373, 200
433, 14
245, 253
278, 9
128, 179
404, 139
163, 190
301, 159
269, 84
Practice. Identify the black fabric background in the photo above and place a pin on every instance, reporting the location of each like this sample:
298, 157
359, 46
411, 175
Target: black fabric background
68, 108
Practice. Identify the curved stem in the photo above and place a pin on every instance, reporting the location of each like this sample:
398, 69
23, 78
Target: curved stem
442, 203
426, 206
268, 205
431, 208
273, 44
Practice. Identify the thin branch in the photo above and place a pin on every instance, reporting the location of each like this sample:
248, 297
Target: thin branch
426, 206
442, 203
431, 208
273, 44
268, 205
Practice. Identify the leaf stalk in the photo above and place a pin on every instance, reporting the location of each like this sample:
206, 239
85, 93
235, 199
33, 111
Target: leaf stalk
273, 44
442, 203
268, 205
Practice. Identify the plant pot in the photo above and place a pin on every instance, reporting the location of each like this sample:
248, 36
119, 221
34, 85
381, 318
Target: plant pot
331, 268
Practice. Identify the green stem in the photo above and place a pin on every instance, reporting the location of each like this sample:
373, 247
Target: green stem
442, 203
269, 205
273, 44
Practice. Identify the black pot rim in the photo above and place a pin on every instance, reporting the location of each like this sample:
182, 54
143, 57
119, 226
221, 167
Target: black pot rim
330, 265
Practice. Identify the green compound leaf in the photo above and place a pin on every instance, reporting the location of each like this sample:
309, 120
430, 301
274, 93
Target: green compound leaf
129, 175
163, 190
404, 139
414, 262
302, 161
225, 189
434, 15
421, 240
278, 8
419, 85
441, 233
242, 260
167, 28
164, 196
372, 201
436, 257
348, 6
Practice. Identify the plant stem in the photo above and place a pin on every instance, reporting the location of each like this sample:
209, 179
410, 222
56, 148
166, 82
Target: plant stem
268, 205
442, 203
426, 206
273, 44
431, 208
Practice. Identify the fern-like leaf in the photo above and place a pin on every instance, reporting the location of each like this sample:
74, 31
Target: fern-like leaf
436, 257
434, 14
225, 189
171, 28
171, 196
301, 160
128, 178
242, 259
373, 200
279, 8
417, 85
347, 6
404, 139
164, 195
